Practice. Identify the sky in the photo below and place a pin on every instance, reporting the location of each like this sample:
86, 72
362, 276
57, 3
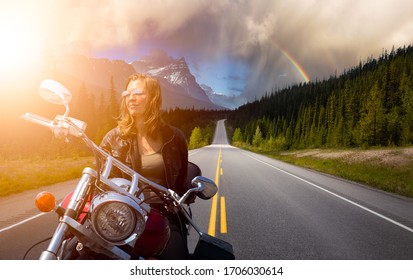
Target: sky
241, 48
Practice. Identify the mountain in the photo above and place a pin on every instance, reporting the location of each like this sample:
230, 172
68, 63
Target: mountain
174, 72
179, 87
95, 73
230, 102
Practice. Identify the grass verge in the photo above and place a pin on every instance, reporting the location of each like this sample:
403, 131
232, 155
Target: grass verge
390, 170
20, 175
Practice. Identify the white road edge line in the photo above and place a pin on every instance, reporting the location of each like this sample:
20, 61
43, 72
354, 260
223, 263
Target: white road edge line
336, 195
38, 215
21, 222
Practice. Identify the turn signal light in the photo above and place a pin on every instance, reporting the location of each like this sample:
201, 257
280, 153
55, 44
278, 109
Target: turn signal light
45, 201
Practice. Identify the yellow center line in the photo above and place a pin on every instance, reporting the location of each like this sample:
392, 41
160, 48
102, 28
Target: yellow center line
213, 216
223, 216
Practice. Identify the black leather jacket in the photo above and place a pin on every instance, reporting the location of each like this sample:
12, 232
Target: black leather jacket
174, 152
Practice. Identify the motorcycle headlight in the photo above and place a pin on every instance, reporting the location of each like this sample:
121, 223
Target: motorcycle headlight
117, 218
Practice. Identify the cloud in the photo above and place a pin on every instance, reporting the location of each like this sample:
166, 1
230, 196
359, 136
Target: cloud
232, 78
322, 36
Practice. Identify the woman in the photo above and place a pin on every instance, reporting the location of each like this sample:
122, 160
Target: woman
154, 149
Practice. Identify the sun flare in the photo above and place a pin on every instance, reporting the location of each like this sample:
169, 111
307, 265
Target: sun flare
21, 44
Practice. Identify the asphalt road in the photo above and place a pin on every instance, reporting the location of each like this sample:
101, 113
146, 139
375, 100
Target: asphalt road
266, 209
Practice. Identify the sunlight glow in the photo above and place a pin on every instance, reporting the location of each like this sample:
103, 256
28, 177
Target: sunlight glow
21, 43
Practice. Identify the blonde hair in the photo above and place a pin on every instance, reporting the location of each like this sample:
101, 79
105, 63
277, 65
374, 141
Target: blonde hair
152, 115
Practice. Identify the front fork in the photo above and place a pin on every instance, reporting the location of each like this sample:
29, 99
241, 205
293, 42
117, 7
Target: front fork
55, 243
74, 207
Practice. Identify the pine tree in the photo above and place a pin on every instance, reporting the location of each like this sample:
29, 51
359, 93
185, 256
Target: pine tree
113, 104
257, 140
372, 121
196, 140
237, 137
406, 88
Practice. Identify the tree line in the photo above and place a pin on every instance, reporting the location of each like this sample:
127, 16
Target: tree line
369, 105
100, 111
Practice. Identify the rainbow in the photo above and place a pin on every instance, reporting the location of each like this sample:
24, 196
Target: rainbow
296, 65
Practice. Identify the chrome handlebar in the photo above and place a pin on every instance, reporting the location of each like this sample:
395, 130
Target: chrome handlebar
65, 126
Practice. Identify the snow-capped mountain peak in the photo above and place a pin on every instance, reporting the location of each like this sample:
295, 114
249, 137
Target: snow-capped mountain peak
176, 72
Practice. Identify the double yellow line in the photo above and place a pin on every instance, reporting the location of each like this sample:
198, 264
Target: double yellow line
214, 205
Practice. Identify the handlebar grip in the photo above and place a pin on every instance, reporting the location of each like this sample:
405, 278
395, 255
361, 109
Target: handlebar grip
37, 119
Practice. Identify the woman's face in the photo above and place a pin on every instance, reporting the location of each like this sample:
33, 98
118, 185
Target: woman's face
136, 98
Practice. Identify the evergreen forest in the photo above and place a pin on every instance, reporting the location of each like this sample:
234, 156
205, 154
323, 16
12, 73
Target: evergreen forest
370, 105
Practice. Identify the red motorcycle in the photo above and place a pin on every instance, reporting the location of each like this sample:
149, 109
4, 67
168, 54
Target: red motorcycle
111, 218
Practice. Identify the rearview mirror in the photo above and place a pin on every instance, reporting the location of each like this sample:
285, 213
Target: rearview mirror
54, 92
208, 188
